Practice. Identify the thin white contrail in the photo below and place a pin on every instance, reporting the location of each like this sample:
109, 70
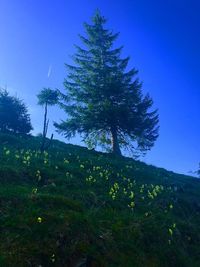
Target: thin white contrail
49, 71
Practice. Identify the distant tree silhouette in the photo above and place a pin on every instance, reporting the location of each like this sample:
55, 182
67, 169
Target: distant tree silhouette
14, 115
47, 97
104, 102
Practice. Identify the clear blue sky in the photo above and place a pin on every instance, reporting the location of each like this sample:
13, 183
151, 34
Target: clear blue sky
161, 37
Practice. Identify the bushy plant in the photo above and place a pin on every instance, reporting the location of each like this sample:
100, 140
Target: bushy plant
14, 115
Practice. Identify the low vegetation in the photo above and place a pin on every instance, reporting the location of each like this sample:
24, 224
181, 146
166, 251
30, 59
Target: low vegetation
70, 206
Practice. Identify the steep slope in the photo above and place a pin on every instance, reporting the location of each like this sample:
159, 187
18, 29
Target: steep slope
75, 207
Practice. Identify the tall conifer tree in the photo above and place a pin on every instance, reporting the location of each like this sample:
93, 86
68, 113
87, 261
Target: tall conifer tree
103, 99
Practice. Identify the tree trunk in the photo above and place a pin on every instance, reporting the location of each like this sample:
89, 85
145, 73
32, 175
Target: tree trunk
45, 120
49, 144
44, 128
115, 142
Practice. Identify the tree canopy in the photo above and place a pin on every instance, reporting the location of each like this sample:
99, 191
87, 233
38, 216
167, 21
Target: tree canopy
104, 100
14, 115
48, 97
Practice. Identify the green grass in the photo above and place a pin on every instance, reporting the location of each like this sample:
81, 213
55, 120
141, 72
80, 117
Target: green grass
72, 205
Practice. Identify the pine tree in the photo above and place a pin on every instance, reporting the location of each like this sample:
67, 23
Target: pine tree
14, 115
104, 101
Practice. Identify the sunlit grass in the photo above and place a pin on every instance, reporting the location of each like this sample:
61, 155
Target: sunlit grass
69, 202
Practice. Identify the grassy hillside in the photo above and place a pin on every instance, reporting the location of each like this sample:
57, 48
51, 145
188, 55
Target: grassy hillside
74, 207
